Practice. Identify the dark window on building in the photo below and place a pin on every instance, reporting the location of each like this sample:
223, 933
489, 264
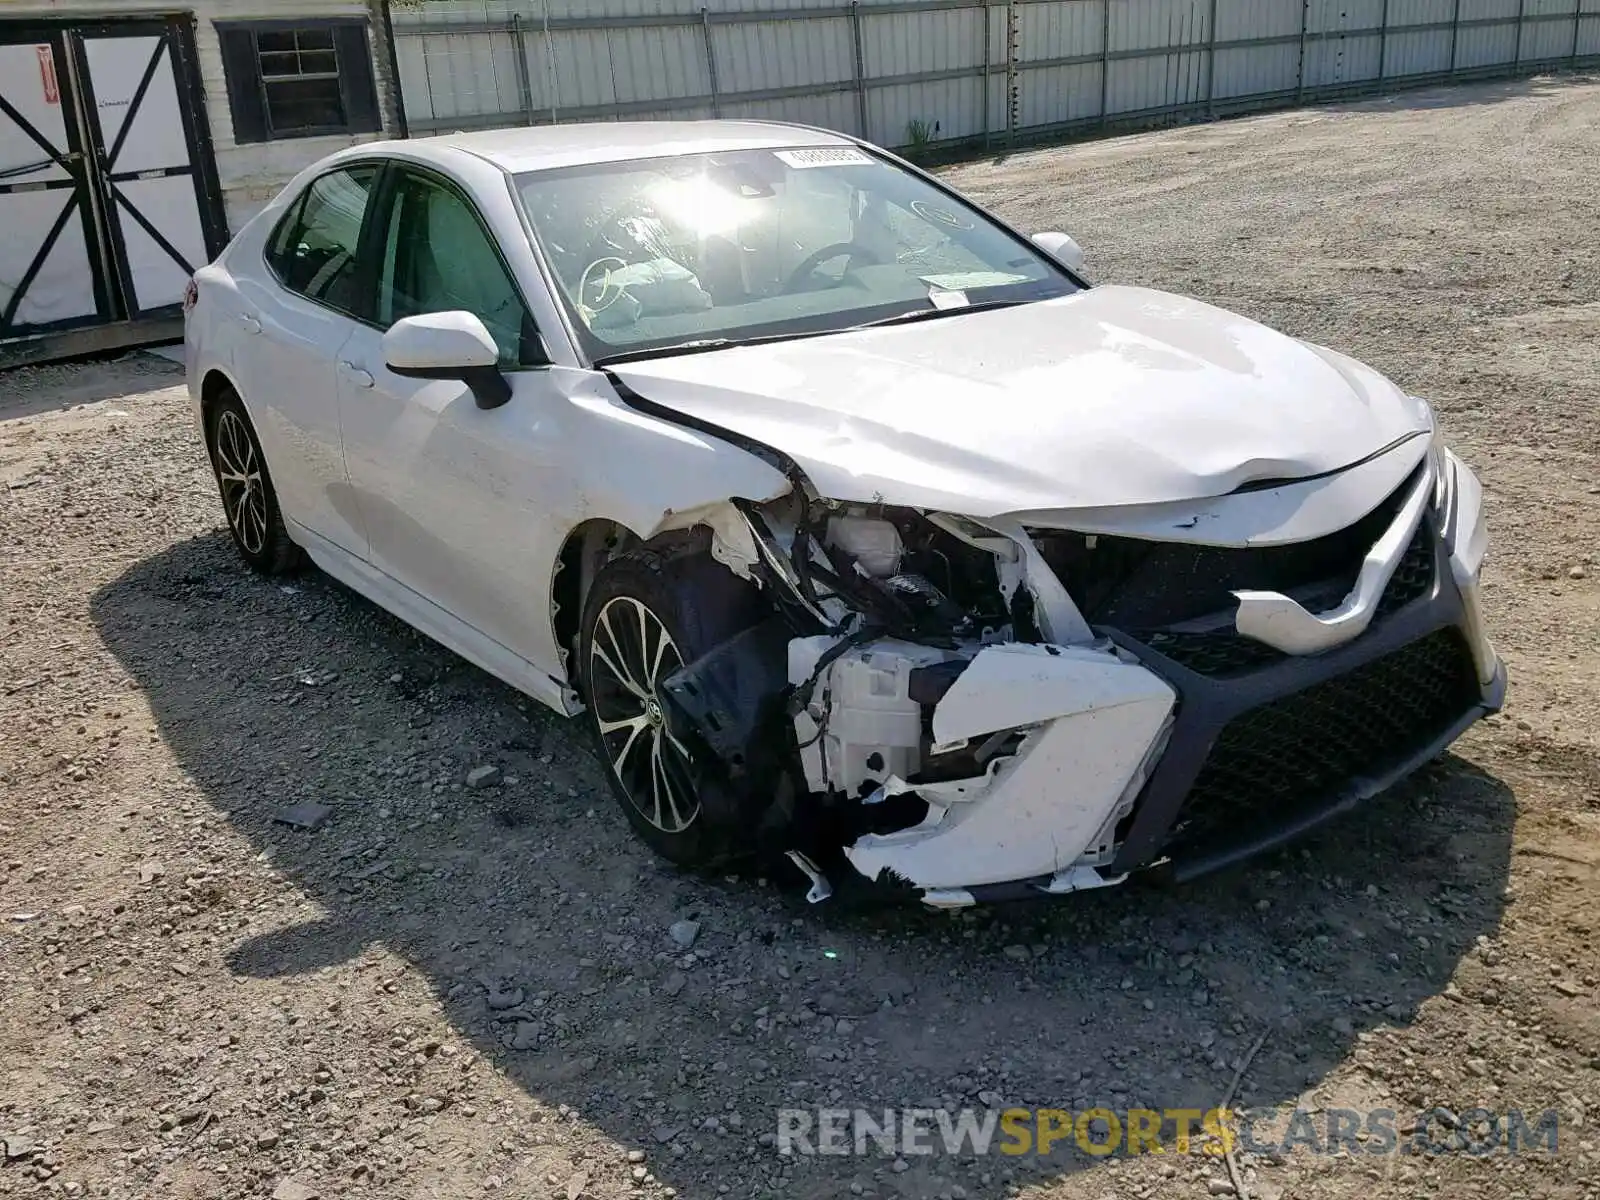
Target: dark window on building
288, 79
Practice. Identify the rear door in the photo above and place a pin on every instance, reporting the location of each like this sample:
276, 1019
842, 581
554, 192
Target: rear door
49, 279
298, 306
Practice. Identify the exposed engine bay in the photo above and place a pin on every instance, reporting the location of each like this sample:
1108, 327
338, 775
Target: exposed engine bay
930, 703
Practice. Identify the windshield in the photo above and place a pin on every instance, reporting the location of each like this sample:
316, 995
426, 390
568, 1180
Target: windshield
653, 253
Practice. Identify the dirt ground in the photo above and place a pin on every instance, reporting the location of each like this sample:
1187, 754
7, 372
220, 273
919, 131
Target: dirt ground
447, 992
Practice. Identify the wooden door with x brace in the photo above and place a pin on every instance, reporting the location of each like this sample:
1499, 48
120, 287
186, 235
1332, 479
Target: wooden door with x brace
108, 195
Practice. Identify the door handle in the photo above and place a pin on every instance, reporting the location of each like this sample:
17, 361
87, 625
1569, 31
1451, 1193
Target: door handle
251, 325
358, 375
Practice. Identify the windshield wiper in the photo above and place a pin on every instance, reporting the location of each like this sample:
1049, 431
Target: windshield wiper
702, 345
929, 314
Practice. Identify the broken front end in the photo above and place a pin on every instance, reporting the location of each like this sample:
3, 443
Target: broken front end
975, 710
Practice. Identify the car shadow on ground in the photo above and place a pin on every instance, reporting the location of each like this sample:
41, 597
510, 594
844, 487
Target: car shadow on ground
542, 927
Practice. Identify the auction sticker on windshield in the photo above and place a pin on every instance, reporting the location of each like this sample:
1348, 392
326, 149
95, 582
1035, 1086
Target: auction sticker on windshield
822, 156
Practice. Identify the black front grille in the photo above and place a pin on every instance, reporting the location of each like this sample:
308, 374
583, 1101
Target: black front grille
1132, 584
1220, 654
1304, 749
1223, 653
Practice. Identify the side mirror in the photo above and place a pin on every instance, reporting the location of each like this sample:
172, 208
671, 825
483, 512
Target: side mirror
448, 345
1062, 248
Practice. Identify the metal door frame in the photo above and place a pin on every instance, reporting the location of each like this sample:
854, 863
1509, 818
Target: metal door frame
99, 203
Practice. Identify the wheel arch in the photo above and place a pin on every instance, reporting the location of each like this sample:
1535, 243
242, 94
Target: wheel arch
588, 546
718, 528
213, 384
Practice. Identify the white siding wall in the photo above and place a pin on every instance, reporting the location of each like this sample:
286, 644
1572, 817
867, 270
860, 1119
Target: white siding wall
251, 174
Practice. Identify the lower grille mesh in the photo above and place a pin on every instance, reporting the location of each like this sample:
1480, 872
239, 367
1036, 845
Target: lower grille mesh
1220, 654
1299, 750
1413, 575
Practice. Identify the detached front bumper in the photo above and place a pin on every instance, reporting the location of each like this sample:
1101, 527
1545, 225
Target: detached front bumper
1187, 754
1096, 721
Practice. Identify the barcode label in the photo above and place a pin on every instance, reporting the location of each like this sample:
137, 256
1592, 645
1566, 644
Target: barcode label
823, 156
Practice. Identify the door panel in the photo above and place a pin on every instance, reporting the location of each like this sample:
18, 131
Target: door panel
155, 209
118, 68
144, 150
48, 278
296, 316
286, 359
61, 288
457, 499
108, 198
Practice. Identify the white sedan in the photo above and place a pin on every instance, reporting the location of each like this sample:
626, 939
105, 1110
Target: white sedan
864, 530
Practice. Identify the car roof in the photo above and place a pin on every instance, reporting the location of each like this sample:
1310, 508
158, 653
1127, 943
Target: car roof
542, 147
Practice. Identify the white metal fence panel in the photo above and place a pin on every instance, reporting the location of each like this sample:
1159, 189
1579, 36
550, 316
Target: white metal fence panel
1587, 30
1549, 29
1269, 64
913, 72
1343, 45
1488, 33
1422, 51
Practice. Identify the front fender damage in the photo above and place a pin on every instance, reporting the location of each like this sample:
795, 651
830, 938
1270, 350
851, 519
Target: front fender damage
943, 737
925, 706
927, 710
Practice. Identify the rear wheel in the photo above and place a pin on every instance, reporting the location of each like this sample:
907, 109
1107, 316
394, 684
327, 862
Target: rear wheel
650, 611
248, 499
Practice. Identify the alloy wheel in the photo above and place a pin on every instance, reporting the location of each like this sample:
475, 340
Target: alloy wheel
630, 653
244, 496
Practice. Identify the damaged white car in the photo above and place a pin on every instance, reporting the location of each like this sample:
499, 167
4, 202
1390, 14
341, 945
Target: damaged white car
862, 528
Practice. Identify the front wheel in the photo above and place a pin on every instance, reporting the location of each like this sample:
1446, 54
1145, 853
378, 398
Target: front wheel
650, 611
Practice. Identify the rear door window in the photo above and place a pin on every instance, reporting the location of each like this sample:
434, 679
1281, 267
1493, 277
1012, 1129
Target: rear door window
314, 251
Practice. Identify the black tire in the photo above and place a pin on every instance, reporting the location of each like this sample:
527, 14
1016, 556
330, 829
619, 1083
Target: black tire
248, 500
700, 604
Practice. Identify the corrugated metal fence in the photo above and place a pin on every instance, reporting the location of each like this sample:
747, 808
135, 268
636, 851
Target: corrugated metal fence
952, 71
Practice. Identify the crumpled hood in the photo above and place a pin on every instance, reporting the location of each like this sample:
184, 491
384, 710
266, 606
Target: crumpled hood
1111, 396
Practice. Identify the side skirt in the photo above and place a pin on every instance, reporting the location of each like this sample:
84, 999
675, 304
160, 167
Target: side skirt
428, 618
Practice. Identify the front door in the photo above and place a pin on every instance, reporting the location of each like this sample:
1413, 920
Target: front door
456, 498
108, 200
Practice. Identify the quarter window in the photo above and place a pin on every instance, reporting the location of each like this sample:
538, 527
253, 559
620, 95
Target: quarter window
313, 251
438, 257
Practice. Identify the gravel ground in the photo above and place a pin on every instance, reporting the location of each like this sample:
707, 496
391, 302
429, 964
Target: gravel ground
447, 991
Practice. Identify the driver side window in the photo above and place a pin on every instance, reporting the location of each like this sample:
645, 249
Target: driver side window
439, 257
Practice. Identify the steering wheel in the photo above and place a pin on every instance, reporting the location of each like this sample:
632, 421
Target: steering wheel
604, 298
816, 258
